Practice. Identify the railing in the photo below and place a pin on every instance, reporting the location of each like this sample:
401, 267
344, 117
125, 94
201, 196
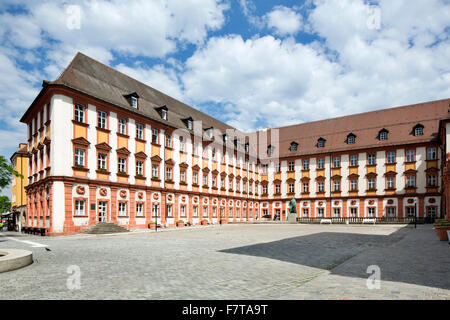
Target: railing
359, 220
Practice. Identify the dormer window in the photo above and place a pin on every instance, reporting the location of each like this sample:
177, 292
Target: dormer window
189, 123
270, 149
383, 134
321, 143
418, 130
351, 138
293, 146
132, 99
134, 102
162, 112
209, 133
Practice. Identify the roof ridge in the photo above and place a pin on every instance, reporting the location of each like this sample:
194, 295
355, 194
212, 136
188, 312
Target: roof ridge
365, 113
140, 82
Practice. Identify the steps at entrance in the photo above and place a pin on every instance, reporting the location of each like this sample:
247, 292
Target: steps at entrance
105, 227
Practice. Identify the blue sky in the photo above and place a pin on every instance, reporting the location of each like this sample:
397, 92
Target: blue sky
249, 63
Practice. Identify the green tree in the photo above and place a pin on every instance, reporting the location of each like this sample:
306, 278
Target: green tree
5, 204
6, 172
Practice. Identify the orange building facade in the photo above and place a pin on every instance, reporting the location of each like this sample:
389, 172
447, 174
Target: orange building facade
104, 147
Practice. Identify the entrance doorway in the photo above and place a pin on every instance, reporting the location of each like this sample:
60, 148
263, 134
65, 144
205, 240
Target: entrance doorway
102, 211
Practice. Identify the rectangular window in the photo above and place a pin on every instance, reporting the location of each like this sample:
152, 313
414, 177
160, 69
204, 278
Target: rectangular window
169, 210
79, 157
139, 131
122, 209
214, 181
320, 212
431, 154
353, 212
264, 168
320, 162
371, 183
336, 212
194, 211
277, 167
264, 189
291, 165
183, 175
205, 212
432, 180
371, 159
230, 213
155, 171
305, 187
79, 113
182, 144
291, 188
353, 185
391, 157
353, 160
102, 161
320, 186
139, 168
371, 212
391, 212
168, 141
305, 164
214, 212
305, 212
155, 136
155, 210
205, 180
122, 126
168, 173
139, 209
337, 185
410, 181
390, 183
183, 211
122, 165
102, 120
194, 178
336, 162
79, 207
410, 211
409, 155
277, 188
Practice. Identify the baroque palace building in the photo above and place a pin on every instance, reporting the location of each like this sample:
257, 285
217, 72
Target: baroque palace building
105, 147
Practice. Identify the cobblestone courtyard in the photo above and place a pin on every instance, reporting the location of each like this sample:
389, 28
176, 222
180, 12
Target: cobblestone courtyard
235, 262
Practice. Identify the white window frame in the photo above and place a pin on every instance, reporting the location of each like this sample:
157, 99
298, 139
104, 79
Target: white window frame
139, 131
122, 126
102, 119
79, 157
80, 207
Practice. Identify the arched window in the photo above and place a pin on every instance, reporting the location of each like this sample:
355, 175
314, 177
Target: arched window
293, 146
321, 143
351, 138
383, 134
417, 130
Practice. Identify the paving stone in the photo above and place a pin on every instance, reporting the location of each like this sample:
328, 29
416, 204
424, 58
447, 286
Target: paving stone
236, 262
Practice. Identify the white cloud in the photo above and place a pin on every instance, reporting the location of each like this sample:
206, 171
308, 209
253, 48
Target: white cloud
355, 68
284, 21
131, 28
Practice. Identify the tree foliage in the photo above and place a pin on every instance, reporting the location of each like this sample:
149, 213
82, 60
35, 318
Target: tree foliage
5, 204
6, 172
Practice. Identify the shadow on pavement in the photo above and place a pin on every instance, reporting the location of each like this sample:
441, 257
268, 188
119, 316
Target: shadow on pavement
423, 261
